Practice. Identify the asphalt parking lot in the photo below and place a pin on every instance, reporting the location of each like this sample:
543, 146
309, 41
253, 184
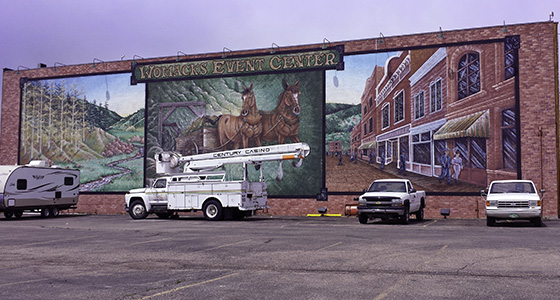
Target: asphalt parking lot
115, 257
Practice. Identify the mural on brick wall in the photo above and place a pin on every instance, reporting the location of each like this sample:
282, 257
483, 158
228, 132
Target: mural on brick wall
446, 118
216, 114
92, 123
205, 106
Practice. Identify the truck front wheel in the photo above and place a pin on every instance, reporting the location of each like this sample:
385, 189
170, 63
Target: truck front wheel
405, 218
138, 210
213, 210
363, 218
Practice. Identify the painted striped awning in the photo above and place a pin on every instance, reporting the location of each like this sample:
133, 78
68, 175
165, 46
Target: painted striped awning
370, 145
475, 125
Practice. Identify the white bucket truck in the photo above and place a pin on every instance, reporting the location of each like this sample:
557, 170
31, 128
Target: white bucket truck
200, 186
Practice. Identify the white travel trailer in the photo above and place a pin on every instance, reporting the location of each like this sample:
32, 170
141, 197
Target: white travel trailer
37, 187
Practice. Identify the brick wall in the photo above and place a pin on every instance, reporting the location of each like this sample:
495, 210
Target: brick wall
538, 88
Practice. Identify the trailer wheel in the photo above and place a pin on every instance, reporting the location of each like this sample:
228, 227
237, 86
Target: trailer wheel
55, 212
18, 214
213, 210
8, 214
46, 212
138, 210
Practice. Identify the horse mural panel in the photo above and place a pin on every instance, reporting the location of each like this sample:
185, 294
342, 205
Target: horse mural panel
240, 129
283, 122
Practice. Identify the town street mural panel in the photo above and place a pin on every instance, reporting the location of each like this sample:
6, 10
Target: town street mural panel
92, 123
446, 118
214, 114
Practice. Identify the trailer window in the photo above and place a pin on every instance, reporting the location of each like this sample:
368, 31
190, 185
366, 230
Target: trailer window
22, 184
68, 181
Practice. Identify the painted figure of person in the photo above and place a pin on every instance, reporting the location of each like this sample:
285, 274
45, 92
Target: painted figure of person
370, 156
402, 163
382, 160
340, 158
445, 161
457, 163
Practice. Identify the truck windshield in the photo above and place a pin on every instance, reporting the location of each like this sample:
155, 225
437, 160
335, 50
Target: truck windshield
394, 187
512, 187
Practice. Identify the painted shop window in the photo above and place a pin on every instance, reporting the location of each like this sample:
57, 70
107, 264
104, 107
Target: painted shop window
439, 151
419, 105
381, 150
365, 129
468, 75
509, 140
370, 124
477, 155
421, 147
399, 107
435, 96
462, 146
509, 61
385, 116
403, 145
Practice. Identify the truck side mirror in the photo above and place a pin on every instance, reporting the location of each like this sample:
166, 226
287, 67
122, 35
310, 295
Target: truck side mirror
543, 191
365, 190
356, 198
412, 191
483, 193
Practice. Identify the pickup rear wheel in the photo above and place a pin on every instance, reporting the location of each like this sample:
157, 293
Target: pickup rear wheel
138, 210
490, 221
213, 210
420, 214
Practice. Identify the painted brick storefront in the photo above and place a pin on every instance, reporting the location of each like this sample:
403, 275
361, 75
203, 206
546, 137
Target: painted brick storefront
538, 95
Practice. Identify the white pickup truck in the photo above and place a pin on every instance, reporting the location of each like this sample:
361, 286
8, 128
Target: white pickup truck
513, 199
390, 198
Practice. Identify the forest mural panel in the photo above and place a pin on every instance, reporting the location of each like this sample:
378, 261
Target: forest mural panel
92, 123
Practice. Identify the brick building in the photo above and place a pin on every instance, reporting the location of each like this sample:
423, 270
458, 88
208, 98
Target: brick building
426, 64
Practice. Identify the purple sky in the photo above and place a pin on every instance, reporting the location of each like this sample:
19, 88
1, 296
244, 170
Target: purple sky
75, 32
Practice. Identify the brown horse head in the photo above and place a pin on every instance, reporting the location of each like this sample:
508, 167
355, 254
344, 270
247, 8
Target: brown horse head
290, 97
249, 105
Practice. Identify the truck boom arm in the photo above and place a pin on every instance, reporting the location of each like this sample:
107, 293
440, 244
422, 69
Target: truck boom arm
168, 162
